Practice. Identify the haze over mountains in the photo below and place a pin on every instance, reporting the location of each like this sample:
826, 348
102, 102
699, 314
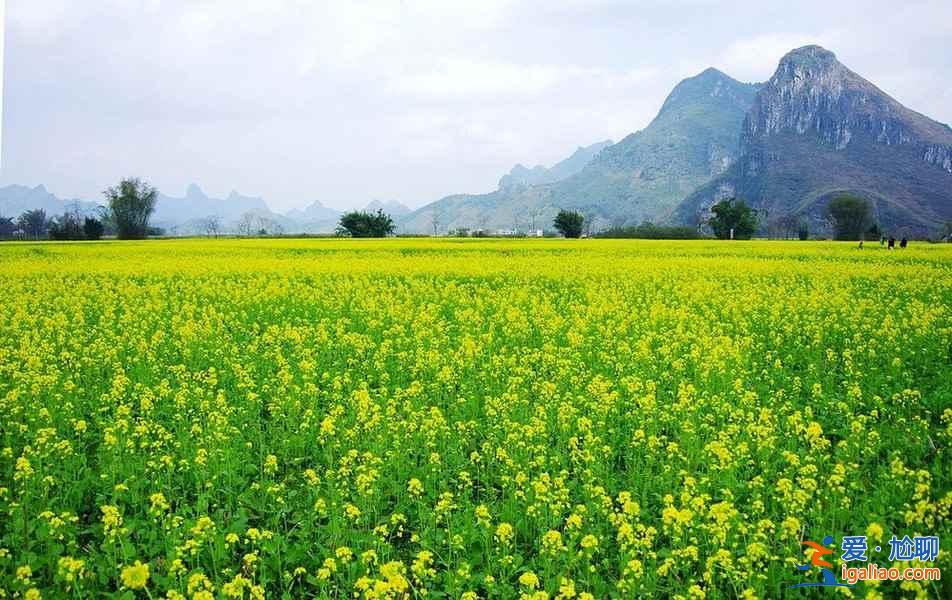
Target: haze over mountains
17, 199
813, 130
520, 176
189, 214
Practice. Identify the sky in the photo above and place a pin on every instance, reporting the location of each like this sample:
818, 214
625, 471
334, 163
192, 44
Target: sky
347, 101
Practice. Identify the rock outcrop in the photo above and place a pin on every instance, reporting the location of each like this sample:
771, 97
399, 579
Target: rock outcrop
815, 129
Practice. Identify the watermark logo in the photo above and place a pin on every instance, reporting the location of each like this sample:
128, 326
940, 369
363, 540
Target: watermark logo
855, 549
816, 560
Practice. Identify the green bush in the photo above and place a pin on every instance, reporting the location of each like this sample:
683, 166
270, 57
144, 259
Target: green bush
361, 224
733, 219
569, 223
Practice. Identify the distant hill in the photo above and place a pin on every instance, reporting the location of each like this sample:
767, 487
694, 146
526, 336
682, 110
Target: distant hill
520, 176
816, 129
17, 199
645, 176
186, 212
315, 218
315, 211
190, 214
511, 206
391, 207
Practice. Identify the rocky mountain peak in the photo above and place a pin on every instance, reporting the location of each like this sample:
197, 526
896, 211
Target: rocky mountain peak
812, 93
701, 88
813, 58
815, 128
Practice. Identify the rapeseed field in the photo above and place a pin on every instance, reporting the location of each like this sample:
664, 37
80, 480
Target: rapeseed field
467, 419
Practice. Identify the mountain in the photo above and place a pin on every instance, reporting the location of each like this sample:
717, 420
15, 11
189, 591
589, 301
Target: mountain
195, 213
17, 199
391, 207
171, 211
521, 176
518, 202
694, 137
513, 205
313, 212
817, 128
183, 215
315, 218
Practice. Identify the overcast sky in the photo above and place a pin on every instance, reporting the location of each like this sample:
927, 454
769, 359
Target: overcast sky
347, 101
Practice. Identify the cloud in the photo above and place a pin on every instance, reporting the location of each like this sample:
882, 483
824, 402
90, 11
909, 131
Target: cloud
297, 100
462, 78
756, 58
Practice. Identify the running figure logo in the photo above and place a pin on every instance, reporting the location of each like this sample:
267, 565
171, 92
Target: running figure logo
816, 560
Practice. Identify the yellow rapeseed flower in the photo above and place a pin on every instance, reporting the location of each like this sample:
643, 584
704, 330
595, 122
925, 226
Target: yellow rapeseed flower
135, 576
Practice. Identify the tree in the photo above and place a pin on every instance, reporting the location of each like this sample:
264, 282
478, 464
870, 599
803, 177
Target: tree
246, 224
7, 227
803, 232
66, 227
33, 223
263, 226
436, 220
251, 223
482, 223
569, 223
851, 216
733, 219
108, 222
212, 225
588, 217
785, 227
364, 224
131, 203
533, 215
93, 228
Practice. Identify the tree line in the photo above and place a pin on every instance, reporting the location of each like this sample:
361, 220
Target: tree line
126, 215
36, 225
130, 204
731, 219
849, 216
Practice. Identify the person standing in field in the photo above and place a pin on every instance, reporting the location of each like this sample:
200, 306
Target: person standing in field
903, 242
892, 243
